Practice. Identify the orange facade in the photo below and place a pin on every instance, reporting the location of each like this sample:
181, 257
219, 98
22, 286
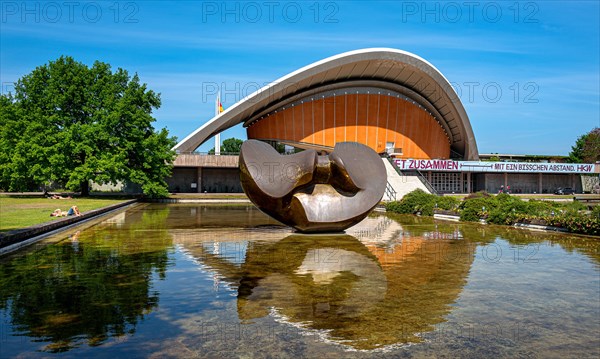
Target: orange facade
372, 119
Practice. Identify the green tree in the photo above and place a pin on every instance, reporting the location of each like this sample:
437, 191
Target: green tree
586, 148
69, 123
591, 147
230, 145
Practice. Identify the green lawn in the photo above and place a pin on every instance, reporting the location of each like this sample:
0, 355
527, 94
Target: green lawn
20, 212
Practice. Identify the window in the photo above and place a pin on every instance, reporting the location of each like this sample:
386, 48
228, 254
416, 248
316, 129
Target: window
447, 182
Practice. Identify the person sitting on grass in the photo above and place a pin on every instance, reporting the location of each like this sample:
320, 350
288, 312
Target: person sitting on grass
55, 196
58, 213
73, 211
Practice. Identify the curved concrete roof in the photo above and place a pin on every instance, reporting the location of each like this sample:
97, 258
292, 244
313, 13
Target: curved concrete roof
383, 67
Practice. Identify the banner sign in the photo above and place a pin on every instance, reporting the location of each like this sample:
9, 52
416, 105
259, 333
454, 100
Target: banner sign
477, 166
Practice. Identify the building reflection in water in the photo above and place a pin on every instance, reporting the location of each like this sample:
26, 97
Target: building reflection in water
376, 286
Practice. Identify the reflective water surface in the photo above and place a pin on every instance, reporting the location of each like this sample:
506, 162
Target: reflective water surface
226, 281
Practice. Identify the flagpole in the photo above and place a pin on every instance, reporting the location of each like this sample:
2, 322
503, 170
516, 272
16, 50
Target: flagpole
218, 135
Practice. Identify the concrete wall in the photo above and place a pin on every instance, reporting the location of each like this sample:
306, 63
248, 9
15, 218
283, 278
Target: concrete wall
552, 181
209, 173
526, 182
182, 178
221, 180
199, 160
591, 184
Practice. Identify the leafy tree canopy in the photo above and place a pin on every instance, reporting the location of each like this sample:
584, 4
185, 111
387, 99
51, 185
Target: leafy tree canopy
586, 148
68, 123
230, 145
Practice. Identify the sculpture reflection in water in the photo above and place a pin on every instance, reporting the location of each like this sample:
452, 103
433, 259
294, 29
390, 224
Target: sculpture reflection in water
313, 193
366, 295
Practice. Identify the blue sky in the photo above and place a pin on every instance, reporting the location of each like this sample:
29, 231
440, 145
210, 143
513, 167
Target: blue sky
527, 72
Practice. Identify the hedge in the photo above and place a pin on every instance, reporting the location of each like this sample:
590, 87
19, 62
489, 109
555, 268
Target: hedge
503, 209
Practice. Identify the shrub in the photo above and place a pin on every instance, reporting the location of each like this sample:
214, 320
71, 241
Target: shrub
498, 216
413, 202
504, 197
576, 223
476, 207
574, 207
470, 214
393, 206
596, 212
506, 205
447, 203
540, 208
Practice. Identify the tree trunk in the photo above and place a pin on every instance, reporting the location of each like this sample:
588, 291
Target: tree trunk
85, 188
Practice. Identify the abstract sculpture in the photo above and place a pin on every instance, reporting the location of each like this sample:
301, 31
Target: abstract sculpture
313, 193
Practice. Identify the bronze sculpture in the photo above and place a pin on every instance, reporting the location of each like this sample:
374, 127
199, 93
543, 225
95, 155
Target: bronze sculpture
313, 193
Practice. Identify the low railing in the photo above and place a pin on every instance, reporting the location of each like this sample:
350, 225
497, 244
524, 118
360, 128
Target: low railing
394, 166
426, 182
390, 192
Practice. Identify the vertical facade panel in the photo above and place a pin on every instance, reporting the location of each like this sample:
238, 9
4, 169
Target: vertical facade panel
329, 130
419, 127
372, 119
392, 121
402, 124
361, 118
428, 135
351, 116
285, 118
407, 123
340, 116
382, 122
297, 120
318, 121
311, 128
278, 125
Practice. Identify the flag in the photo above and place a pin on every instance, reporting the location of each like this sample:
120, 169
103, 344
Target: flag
218, 110
218, 104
